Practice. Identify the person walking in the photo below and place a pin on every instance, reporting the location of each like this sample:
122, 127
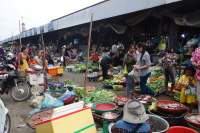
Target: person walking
143, 66
129, 61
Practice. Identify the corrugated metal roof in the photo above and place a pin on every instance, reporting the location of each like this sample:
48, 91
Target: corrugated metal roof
103, 10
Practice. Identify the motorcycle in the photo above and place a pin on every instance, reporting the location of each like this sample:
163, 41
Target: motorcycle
5, 121
10, 81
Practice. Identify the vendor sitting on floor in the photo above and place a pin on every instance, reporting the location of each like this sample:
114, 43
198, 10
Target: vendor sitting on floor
186, 86
188, 76
134, 119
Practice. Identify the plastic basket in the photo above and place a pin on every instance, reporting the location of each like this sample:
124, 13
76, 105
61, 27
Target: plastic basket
60, 70
181, 129
53, 71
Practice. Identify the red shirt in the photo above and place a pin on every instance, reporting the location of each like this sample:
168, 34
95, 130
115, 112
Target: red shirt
95, 57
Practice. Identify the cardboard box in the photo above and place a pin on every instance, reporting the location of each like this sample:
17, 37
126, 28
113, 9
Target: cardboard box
69, 119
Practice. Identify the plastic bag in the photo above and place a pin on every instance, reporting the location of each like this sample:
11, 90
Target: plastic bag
37, 101
51, 102
125, 70
67, 95
135, 74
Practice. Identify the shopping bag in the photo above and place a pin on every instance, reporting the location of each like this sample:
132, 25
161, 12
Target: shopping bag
135, 74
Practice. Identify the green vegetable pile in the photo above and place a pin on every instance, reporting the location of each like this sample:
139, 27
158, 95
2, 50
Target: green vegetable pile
177, 96
156, 81
156, 86
95, 96
109, 82
102, 96
80, 92
69, 82
157, 73
82, 67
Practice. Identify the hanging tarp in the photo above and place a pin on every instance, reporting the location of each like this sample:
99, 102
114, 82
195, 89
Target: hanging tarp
136, 19
119, 29
191, 19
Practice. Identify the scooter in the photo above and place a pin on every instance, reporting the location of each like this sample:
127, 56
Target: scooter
10, 81
5, 121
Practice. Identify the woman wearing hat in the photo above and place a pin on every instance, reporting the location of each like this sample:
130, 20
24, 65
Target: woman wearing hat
134, 119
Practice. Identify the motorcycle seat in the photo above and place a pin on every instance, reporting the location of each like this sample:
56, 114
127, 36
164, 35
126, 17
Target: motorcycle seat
3, 73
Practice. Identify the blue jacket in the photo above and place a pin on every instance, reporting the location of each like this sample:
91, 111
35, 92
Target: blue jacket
133, 128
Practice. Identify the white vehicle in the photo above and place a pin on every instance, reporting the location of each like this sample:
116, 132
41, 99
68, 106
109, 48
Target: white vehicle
5, 122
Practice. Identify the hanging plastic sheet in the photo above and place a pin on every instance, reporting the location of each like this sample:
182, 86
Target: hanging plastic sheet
191, 19
119, 29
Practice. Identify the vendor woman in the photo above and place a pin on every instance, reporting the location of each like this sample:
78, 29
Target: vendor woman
143, 66
130, 58
106, 64
187, 77
186, 84
134, 119
22, 59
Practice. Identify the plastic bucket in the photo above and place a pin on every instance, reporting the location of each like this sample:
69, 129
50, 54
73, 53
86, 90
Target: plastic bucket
181, 129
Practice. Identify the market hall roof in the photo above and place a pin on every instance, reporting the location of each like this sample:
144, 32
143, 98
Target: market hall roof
103, 10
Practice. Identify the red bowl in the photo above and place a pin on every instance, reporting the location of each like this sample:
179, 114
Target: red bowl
70, 100
105, 107
196, 124
171, 106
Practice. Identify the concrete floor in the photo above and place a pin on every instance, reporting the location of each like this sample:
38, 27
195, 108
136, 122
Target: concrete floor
18, 110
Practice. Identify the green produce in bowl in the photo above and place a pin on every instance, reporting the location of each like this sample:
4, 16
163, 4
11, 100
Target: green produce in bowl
102, 96
118, 87
79, 91
153, 107
68, 82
